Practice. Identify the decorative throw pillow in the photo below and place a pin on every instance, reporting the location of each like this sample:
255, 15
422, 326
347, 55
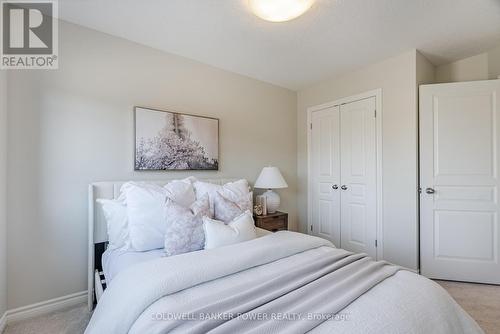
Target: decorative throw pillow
246, 202
225, 210
145, 210
218, 234
115, 213
185, 226
181, 192
238, 192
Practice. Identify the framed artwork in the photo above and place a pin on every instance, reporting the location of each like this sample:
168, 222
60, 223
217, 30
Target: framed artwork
167, 140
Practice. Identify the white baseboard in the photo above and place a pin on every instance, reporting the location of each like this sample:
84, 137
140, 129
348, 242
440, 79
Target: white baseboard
3, 322
43, 308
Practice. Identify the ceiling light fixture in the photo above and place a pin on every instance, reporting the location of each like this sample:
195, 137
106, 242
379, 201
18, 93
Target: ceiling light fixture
279, 10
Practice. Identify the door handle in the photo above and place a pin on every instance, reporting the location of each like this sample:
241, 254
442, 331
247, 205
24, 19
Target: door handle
430, 191
344, 187
335, 187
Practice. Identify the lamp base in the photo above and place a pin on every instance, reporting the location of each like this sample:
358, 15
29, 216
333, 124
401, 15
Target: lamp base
272, 201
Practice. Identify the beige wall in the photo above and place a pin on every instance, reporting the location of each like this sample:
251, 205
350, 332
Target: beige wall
397, 77
3, 192
73, 126
494, 63
425, 70
483, 66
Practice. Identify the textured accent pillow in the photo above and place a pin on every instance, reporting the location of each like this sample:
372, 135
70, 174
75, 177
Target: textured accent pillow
218, 234
181, 192
185, 226
115, 213
246, 202
238, 192
225, 210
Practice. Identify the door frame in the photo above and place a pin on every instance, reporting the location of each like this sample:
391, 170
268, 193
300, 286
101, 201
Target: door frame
377, 94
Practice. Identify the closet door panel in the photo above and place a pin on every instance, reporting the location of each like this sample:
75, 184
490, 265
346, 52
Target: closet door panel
325, 145
358, 176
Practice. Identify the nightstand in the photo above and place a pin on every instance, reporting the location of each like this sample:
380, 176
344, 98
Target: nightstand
273, 222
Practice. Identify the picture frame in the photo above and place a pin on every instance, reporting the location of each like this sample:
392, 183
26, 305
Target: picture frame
167, 141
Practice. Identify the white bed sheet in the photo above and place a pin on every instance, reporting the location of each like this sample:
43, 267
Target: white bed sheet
115, 260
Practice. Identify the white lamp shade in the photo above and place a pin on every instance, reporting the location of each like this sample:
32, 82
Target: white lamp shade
270, 178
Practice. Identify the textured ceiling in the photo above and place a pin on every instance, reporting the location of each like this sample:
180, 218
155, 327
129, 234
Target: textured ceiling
335, 36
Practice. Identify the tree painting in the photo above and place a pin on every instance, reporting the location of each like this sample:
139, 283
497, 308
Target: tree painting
172, 141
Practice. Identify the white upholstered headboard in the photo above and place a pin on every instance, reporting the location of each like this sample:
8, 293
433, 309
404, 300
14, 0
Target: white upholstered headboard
97, 228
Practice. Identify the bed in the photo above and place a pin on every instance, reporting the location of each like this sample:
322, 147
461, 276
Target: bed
98, 238
281, 282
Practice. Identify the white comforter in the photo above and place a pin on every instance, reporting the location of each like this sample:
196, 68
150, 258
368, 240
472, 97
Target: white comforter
402, 303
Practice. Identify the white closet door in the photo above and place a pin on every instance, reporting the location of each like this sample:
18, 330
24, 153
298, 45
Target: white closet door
358, 170
326, 174
459, 160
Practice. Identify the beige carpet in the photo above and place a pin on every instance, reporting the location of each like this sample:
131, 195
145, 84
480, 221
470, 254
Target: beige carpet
481, 301
70, 321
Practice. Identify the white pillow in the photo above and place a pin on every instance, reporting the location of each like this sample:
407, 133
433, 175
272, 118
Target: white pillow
218, 234
180, 191
238, 192
115, 213
145, 210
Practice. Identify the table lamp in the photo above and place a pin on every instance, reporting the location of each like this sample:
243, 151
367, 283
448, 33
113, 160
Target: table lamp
271, 178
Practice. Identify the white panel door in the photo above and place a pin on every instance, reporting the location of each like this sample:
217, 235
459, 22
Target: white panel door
325, 173
459, 157
359, 181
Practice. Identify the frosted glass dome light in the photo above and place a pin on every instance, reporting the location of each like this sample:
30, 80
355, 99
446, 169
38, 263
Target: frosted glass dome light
279, 10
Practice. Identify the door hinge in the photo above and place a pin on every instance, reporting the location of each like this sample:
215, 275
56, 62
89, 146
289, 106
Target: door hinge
311, 228
311, 126
375, 113
376, 243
